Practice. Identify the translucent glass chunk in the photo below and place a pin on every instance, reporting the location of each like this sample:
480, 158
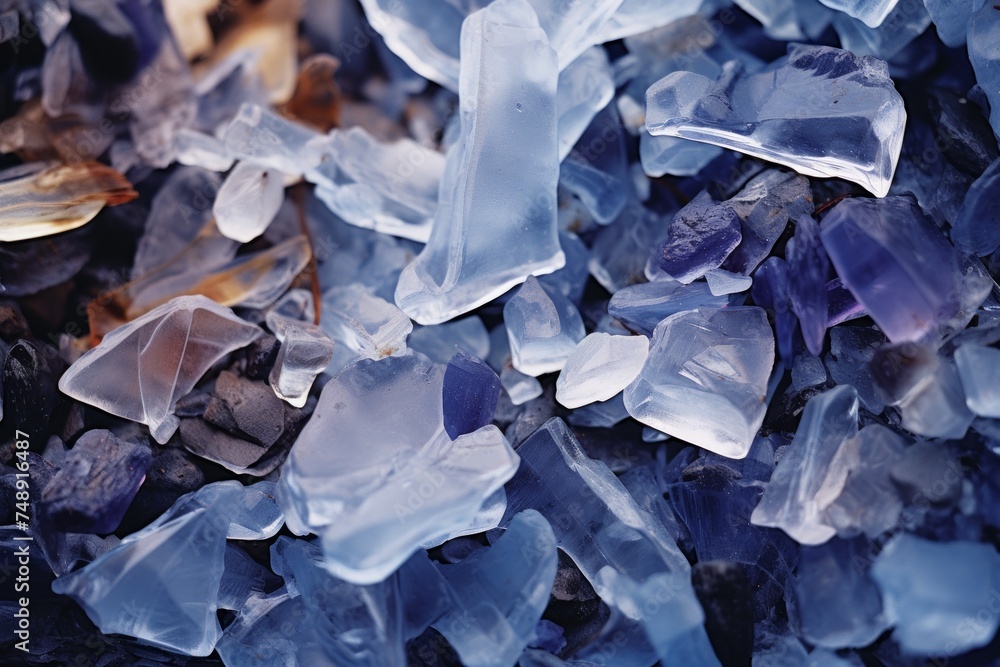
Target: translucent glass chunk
790, 500
305, 352
907, 21
440, 343
263, 138
977, 226
764, 113
389, 187
859, 495
705, 379
247, 201
984, 53
180, 213
161, 584
500, 593
601, 366
943, 615
641, 307
662, 155
721, 282
924, 387
499, 186
362, 325
155, 360
543, 327
838, 605
872, 12
377, 489
699, 237
470, 394
978, 367
880, 249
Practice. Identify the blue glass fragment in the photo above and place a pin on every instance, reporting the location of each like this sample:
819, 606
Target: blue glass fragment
470, 393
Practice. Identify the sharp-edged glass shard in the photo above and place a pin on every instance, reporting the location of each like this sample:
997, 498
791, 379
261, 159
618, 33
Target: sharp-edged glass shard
600, 367
375, 490
791, 501
766, 114
598, 525
362, 325
156, 360
499, 184
305, 352
699, 238
765, 205
500, 593
670, 612
161, 584
391, 188
880, 249
809, 264
642, 307
871, 12
95, 483
470, 393
543, 327
705, 379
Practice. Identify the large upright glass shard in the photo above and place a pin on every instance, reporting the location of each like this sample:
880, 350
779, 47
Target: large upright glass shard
792, 499
705, 379
821, 111
377, 489
142, 368
498, 192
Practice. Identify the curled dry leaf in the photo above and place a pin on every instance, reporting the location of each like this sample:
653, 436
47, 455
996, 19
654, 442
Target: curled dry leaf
59, 199
253, 281
316, 101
